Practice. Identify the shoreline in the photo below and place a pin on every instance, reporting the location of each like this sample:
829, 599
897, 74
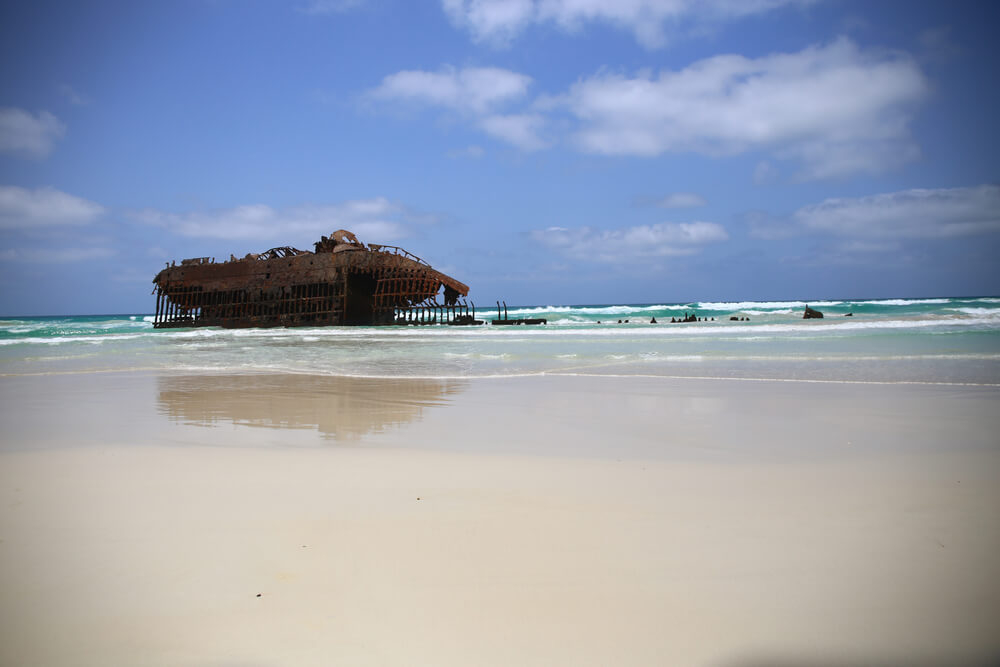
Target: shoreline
620, 520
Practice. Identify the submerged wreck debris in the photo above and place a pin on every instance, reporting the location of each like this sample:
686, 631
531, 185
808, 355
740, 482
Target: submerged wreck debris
344, 282
504, 320
812, 314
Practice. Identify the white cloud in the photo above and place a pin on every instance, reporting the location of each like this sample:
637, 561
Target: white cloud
475, 90
682, 200
29, 135
520, 130
830, 110
496, 21
835, 109
54, 255
500, 21
908, 214
373, 220
21, 208
622, 246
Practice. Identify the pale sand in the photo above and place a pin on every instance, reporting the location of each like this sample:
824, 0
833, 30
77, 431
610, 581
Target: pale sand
533, 521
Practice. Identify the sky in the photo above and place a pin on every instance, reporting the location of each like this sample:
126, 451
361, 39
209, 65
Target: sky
544, 152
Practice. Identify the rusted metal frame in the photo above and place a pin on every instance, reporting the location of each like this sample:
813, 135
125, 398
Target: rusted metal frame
397, 251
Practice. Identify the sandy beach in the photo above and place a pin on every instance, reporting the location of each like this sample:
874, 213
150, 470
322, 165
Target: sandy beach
158, 519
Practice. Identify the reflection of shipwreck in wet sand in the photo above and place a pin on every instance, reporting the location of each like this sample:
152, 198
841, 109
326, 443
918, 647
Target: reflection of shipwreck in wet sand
341, 408
342, 282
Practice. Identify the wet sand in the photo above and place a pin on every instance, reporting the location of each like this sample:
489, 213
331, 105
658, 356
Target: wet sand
294, 520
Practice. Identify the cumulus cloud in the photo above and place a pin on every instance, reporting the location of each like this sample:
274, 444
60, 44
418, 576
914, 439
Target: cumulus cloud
499, 21
621, 246
835, 109
908, 214
681, 200
472, 89
378, 220
828, 111
29, 135
21, 208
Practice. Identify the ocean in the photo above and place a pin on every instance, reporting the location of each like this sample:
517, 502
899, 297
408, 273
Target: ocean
953, 340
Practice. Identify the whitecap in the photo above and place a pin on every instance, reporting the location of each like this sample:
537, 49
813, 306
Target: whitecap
763, 305
905, 302
976, 311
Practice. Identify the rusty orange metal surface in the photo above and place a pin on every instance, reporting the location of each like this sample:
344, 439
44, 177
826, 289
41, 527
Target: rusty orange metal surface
343, 282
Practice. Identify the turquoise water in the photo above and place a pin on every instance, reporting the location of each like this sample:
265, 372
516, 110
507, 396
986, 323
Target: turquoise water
951, 340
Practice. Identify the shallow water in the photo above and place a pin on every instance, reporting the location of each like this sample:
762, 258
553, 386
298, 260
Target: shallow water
949, 340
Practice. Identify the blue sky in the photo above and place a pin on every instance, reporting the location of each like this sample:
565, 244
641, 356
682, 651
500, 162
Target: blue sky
541, 151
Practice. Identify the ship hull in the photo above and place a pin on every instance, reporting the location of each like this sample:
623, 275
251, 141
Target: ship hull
354, 286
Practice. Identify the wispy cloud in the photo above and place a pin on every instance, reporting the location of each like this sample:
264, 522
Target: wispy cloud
835, 109
938, 45
520, 130
473, 152
652, 22
29, 135
471, 89
880, 222
24, 209
764, 173
320, 7
72, 95
624, 246
55, 255
476, 93
681, 200
908, 214
377, 219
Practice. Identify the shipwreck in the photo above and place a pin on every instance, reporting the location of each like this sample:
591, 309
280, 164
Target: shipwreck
343, 282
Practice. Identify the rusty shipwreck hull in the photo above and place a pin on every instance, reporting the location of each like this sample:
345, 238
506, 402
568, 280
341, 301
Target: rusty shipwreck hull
343, 282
